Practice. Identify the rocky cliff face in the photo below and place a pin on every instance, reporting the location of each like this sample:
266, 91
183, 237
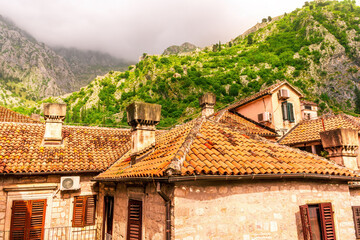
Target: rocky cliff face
86, 65
183, 48
31, 69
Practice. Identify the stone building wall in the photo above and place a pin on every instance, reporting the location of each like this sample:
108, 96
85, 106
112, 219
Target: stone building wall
255, 210
153, 220
59, 210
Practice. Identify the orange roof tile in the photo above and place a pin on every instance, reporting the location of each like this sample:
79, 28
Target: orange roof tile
309, 131
83, 148
7, 115
238, 121
206, 147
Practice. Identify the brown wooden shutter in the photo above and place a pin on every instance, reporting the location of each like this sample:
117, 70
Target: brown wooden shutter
37, 208
305, 221
356, 213
134, 220
90, 210
327, 221
78, 214
18, 219
28, 220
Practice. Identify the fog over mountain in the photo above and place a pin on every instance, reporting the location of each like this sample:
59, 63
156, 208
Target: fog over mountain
128, 28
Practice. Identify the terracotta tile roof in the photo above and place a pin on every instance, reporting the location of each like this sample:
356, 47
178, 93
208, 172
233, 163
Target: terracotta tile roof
205, 147
266, 91
309, 131
240, 122
306, 102
83, 148
7, 115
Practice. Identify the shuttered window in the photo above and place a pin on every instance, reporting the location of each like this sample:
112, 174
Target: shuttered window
134, 220
317, 221
28, 219
356, 213
84, 211
288, 111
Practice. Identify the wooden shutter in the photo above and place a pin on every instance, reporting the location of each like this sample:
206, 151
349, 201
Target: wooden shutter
305, 221
78, 214
290, 110
18, 220
327, 221
284, 110
37, 208
90, 210
356, 213
28, 219
134, 220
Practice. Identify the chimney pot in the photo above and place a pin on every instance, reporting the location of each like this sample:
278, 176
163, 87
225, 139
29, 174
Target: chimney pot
342, 145
54, 115
207, 103
142, 117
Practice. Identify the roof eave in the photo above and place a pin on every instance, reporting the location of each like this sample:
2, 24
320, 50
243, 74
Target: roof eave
173, 179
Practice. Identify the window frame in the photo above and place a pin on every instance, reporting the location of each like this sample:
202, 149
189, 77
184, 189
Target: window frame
288, 113
130, 219
356, 211
85, 210
327, 224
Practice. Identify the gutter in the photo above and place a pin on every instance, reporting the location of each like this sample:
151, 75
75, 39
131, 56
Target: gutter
172, 179
168, 210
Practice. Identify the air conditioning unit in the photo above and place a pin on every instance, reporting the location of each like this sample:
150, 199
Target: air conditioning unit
283, 94
264, 117
70, 183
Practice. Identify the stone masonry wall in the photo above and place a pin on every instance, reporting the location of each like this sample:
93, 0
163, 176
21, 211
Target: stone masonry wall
255, 210
153, 211
59, 208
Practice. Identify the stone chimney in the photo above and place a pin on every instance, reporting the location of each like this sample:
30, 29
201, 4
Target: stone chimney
35, 117
342, 145
207, 103
142, 117
54, 115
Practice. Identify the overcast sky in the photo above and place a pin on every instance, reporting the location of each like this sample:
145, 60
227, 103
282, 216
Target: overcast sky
128, 28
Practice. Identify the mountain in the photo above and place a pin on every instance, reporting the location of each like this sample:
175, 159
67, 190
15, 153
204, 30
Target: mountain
316, 48
86, 65
183, 48
30, 70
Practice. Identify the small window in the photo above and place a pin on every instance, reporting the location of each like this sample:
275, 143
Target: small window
317, 221
308, 107
84, 211
134, 228
288, 111
356, 213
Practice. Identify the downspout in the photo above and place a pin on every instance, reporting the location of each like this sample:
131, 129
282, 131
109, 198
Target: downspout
168, 210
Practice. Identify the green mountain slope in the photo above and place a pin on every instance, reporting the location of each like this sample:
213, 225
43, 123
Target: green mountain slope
316, 48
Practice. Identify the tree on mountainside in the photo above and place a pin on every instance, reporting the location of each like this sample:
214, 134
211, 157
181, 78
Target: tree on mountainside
250, 39
357, 100
269, 18
264, 20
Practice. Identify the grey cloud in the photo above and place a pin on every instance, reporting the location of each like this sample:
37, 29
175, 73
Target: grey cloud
127, 28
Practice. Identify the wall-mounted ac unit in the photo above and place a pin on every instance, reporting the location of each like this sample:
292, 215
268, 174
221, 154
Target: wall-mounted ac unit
283, 94
70, 183
264, 117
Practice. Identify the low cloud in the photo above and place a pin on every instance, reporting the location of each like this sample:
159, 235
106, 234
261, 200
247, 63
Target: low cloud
128, 28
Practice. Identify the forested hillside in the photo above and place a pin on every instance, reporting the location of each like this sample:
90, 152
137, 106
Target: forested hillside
316, 48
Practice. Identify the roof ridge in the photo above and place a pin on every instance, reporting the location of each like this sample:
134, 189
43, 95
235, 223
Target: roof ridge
178, 160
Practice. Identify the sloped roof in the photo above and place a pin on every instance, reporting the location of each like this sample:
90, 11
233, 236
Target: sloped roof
309, 130
306, 102
206, 147
83, 148
7, 115
240, 122
267, 91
